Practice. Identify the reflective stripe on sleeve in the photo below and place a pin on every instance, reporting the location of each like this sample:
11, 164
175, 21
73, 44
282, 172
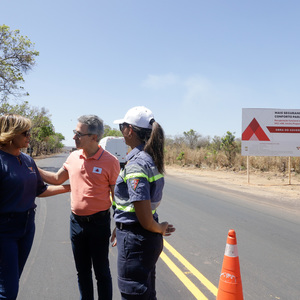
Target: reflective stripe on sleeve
127, 208
143, 175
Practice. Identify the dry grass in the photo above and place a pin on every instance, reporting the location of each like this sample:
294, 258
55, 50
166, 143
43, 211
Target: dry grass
205, 159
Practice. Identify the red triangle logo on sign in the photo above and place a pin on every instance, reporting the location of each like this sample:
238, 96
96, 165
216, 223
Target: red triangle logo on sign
254, 132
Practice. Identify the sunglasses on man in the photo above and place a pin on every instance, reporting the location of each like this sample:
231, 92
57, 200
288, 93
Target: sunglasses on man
79, 134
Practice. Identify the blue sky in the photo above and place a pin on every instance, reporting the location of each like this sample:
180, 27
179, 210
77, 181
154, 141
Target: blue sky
195, 64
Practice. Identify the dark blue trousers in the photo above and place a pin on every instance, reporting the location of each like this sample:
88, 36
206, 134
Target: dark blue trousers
90, 245
138, 252
16, 238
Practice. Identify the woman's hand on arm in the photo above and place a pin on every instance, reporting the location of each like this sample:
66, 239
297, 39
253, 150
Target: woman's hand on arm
54, 178
144, 214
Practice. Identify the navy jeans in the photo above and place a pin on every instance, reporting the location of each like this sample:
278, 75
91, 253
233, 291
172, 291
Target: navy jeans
90, 245
16, 238
138, 252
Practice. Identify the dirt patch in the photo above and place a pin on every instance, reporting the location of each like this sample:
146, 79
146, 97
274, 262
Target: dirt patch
274, 187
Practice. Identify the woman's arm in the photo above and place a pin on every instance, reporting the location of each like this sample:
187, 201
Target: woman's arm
54, 178
53, 190
144, 214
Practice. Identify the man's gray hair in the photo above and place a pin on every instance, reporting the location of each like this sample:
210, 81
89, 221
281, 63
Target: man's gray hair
94, 123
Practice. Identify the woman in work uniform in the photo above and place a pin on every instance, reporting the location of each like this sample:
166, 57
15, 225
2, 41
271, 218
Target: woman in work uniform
138, 193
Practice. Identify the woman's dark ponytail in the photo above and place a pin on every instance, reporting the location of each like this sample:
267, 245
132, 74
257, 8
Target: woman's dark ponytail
154, 140
155, 146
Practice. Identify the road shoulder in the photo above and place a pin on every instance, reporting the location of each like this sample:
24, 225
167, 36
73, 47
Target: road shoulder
273, 188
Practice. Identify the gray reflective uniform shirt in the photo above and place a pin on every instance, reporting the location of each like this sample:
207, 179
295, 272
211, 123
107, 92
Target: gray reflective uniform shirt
138, 181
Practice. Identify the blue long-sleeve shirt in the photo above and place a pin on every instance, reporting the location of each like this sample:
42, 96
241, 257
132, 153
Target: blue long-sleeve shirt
20, 183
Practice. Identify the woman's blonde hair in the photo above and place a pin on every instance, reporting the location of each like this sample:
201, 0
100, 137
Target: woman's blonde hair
12, 125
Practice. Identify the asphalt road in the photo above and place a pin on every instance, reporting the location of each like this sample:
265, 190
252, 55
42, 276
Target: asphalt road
267, 236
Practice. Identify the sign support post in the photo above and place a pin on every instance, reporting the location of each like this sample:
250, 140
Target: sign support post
248, 166
290, 176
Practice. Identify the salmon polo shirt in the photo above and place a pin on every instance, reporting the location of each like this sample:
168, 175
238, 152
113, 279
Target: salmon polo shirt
90, 180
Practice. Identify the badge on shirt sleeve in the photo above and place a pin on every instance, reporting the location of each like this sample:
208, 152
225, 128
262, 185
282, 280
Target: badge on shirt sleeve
134, 183
97, 170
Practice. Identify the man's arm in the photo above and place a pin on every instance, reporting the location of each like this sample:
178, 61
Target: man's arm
54, 178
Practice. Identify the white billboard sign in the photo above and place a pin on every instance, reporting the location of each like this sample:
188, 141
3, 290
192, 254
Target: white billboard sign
270, 132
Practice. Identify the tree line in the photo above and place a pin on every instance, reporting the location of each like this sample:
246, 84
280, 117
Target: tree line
192, 149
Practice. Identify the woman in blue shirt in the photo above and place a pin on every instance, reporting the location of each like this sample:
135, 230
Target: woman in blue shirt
138, 193
20, 184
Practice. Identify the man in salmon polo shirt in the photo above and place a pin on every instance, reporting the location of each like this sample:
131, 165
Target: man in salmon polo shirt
93, 173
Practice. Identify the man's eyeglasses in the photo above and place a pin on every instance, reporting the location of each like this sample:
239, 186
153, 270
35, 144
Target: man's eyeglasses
122, 126
26, 133
79, 134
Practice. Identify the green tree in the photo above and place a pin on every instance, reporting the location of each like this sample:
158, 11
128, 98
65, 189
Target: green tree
59, 138
216, 144
17, 56
191, 138
229, 146
42, 128
53, 143
111, 132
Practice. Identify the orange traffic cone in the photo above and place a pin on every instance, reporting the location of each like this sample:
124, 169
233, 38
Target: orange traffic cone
230, 284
